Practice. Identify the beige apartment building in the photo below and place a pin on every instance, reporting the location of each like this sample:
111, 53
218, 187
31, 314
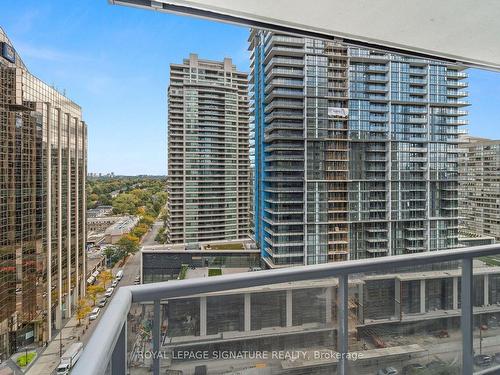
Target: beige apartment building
480, 186
208, 151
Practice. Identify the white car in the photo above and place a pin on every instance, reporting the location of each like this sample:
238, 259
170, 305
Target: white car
114, 283
109, 292
94, 314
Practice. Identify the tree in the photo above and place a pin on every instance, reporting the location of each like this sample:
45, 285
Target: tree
113, 254
93, 291
105, 277
147, 220
82, 309
128, 244
139, 230
125, 203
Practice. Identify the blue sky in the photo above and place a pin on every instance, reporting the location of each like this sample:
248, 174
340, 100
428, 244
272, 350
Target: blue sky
114, 62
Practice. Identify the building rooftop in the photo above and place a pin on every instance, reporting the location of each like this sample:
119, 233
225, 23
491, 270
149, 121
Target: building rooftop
122, 226
222, 246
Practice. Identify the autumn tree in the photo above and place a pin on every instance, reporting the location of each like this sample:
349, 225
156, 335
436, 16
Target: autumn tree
128, 244
139, 230
105, 277
82, 309
93, 291
147, 220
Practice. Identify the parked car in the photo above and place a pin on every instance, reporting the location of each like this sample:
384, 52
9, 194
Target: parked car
102, 302
483, 360
114, 283
119, 275
387, 371
109, 292
413, 369
137, 279
94, 313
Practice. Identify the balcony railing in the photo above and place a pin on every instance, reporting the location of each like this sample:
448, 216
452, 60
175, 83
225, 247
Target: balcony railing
327, 301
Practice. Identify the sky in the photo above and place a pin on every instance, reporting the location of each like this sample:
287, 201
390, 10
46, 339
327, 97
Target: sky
114, 62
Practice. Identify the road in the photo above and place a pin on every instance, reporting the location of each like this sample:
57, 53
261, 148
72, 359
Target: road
48, 359
130, 270
149, 237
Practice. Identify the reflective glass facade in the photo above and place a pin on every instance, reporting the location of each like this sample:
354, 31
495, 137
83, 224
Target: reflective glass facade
42, 206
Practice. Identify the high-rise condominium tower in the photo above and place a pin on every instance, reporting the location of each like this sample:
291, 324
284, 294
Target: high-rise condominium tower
208, 151
355, 151
479, 172
42, 205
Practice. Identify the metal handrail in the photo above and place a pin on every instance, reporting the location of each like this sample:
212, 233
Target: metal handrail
99, 351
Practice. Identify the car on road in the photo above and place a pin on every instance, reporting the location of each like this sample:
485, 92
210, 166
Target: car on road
119, 275
483, 360
69, 358
114, 283
102, 302
387, 371
137, 279
413, 369
94, 313
109, 292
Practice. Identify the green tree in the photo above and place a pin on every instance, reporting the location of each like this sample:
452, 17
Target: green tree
113, 254
125, 203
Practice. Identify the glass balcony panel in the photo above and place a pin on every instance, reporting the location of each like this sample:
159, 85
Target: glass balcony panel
285, 328
486, 312
407, 320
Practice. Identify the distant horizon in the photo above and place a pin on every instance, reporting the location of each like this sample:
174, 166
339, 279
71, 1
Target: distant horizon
114, 63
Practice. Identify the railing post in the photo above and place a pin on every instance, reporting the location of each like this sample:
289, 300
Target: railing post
466, 320
119, 355
343, 321
156, 338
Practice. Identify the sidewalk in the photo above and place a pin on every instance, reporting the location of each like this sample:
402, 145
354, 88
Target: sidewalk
49, 358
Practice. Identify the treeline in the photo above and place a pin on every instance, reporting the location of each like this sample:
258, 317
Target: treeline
145, 197
128, 195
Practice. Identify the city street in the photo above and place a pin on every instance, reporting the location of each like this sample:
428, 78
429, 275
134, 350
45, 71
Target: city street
48, 360
149, 238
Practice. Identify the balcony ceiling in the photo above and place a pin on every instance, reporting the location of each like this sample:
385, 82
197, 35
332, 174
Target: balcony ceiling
463, 31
